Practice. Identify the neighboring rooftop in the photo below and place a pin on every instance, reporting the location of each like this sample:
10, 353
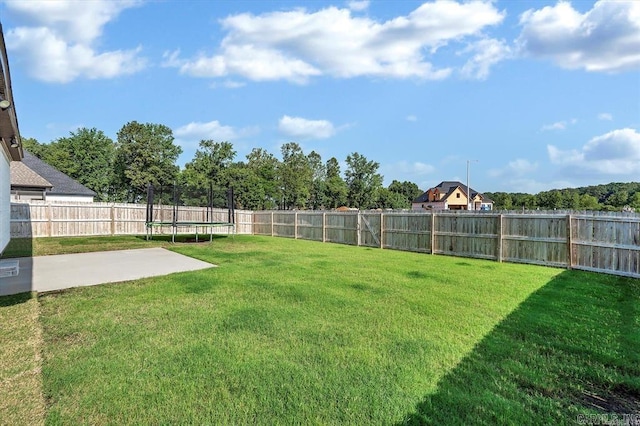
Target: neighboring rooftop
22, 175
60, 183
446, 187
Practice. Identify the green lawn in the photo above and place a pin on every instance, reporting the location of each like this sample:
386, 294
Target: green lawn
25, 247
289, 331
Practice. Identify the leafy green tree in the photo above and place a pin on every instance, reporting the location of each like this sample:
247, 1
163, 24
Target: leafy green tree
551, 200
589, 202
86, 155
34, 147
265, 166
208, 170
335, 190
409, 190
618, 199
523, 201
317, 198
249, 192
295, 176
363, 181
501, 200
388, 199
634, 201
145, 153
609, 197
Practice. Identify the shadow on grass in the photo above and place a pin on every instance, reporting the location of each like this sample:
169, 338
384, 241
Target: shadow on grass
570, 349
183, 238
18, 247
15, 299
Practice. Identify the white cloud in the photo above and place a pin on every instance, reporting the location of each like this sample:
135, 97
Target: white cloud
230, 84
302, 128
358, 5
59, 46
516, 168
487, 52
559, 125
532, 186
404, 170
605, 116
614, 153
197, 131
411, 118
605, 39
297, 45
417, 172
420, 169
623, 144
253, 63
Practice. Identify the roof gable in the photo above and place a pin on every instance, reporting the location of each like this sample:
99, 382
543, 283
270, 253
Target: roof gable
61, 183
22, 175
448, 187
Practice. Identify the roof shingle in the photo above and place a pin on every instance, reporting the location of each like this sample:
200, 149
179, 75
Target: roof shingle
60, 183
22, 175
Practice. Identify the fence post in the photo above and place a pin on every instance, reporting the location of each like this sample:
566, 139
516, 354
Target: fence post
500, 232
49, 226
324, 227
272, 224
113, 220
358, 236
569, 242
381, 230
295, 225
433, 232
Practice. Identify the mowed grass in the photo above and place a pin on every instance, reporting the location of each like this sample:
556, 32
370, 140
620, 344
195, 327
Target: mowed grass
43, 246
21, 397
289, 331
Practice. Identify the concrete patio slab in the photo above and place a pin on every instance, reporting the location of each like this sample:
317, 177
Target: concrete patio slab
49, 273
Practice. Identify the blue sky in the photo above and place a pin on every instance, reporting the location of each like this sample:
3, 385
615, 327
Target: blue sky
543, 94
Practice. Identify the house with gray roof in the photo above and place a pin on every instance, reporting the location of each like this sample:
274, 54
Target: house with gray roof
451, 195
33, 179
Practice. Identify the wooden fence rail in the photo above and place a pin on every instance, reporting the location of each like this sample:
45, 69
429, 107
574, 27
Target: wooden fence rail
592, 242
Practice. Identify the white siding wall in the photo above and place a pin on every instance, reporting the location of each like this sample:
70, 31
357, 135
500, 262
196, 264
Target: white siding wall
5, 201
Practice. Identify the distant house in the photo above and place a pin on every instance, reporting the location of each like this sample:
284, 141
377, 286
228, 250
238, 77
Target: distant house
451, 195
10, 149
33, 179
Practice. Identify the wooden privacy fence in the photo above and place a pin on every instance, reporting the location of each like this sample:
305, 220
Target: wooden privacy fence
592, 242
588, 241
44, 219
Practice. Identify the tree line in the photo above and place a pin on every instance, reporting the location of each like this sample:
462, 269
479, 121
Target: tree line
146, 153
606, 197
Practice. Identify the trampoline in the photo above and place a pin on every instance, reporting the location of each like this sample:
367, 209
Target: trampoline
182, 217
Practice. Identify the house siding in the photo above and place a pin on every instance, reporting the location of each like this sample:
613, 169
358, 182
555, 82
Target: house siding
457, 200
5, 200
